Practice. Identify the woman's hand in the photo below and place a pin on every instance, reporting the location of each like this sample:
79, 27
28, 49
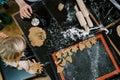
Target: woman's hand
25, 11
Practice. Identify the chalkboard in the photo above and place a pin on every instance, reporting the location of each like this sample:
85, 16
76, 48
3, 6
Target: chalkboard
92, 63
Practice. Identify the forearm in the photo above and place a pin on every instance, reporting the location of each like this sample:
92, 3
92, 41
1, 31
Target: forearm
20, 3
28, 66
25, 9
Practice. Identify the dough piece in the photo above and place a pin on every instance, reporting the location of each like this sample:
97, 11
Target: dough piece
88, 44
118, 30
60, 69
70, 53
63, 63
60, 6
81, 46
59, 55
74, 49
67, 52
69, 58
37, 36
58, 61
93, 41
64, 54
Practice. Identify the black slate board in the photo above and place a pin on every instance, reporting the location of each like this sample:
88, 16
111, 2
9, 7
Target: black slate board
55, 23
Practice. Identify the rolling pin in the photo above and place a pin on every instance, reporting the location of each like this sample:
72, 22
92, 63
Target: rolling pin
85, 12
81, 18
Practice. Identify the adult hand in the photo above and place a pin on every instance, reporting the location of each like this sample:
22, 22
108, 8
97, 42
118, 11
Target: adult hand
25, 11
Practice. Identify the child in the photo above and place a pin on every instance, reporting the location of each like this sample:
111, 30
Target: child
12, 53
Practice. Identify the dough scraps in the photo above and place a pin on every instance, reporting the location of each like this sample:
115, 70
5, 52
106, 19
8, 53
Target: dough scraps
60, 6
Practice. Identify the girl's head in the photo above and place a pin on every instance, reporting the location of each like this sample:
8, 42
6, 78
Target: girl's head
12, 48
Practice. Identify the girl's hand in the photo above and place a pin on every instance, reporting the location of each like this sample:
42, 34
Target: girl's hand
36, 67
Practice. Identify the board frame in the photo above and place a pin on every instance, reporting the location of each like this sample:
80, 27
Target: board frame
109, 52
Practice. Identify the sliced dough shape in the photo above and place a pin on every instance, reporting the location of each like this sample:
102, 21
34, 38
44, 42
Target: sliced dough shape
70, 53
81, 46
63, 63
60, 69
57, 61
74, 48
59, 55
93, 41
69, 58
88, 44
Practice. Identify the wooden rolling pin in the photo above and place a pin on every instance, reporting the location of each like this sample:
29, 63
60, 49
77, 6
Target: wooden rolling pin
81, 18
85, 12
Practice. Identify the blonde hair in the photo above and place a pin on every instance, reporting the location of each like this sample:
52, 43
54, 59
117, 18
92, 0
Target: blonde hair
11, 48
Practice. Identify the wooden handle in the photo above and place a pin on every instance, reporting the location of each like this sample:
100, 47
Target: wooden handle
76, 8
86, 28
85, 12
82, 7
81, 19
89, 21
